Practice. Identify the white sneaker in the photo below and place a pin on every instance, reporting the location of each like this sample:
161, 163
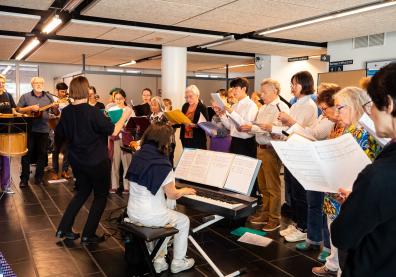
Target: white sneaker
289, 230
160, 264
181, 265
296, 236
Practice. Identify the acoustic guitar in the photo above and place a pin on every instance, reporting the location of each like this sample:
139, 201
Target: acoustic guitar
39, 113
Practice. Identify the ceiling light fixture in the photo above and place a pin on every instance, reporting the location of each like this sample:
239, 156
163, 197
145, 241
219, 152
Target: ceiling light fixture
32, 44
238, 65
52, 24
218, 42
114, 70
71, 5
133, 71
334, 15
128, 63
4, 72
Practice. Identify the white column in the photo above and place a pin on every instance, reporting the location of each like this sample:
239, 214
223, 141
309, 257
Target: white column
262, 70
173, 74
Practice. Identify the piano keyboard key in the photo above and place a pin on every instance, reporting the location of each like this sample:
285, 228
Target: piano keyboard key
213, 201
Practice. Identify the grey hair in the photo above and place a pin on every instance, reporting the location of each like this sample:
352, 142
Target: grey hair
194, 89
354, 97
159, 101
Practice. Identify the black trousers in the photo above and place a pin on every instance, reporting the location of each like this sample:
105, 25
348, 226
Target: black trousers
90, 178
37, 144
245, 147
298, 199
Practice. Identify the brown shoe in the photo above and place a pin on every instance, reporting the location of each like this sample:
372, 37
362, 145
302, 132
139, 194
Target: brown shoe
65, 175
271, 226
323, 271
259, 219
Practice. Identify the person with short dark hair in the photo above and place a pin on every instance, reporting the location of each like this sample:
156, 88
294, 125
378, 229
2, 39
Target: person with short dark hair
61, 89
92, 99
243, 112
38, 137
152, 180
86, 129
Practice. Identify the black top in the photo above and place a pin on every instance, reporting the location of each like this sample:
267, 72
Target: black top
99, 105
366, 225
6, 103
199, 137
85, 129
142, 110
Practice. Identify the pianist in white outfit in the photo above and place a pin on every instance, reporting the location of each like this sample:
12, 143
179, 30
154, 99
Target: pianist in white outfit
268, 128
152, 181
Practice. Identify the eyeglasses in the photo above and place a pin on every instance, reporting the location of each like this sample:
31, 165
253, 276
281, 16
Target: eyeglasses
340, 107
323, 110
367, 107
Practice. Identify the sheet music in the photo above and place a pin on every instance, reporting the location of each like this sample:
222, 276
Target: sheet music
219, 102
201, 118
342, 160
368, 124
255, 239
299, 158
242, 173
323, 165
217, 169
205, 167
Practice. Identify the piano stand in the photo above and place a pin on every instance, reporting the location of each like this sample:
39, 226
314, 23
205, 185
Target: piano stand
213, 219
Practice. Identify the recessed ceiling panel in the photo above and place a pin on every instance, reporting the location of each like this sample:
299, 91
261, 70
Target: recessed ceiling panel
65, 52
31, 4
160, 37
153, 11
119, 55
8, 46
17, 22
78, 28
193, 40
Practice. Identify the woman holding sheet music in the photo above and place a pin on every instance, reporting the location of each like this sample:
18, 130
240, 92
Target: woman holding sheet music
366, 224
118, 156
349, 104
191, 135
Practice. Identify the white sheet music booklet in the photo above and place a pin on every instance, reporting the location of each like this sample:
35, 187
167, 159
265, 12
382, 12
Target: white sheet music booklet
217, 169
323, 165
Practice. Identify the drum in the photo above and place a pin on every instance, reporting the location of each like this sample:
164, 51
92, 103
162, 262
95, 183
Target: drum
13, 135
13, 145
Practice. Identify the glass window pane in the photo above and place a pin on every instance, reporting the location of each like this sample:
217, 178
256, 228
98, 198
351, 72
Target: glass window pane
26, 73
8, 70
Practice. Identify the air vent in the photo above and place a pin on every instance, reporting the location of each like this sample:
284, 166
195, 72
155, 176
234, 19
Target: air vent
369, 41
360, 42
376, 39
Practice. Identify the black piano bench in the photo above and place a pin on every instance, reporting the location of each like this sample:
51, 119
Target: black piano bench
135, 238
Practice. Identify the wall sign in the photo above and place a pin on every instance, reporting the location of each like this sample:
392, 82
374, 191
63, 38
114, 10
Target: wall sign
335, 68
296, 59
341, 62
325, 58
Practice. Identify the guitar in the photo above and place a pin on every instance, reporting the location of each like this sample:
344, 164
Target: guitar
39, 113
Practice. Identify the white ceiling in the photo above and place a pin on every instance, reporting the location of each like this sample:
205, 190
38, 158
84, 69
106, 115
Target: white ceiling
222, 15
79, 28
376, 21
8, 45
17, 22
30, 4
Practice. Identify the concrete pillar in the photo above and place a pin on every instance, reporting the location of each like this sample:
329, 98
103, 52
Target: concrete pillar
173, 74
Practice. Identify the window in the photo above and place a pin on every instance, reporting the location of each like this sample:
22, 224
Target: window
26, 73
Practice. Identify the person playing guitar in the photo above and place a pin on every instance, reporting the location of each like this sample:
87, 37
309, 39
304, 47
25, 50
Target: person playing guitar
38, 135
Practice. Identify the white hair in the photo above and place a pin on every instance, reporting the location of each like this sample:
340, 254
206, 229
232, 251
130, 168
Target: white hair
194, 89
37, 79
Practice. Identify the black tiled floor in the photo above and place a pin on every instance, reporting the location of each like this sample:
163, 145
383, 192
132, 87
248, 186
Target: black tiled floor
28, 221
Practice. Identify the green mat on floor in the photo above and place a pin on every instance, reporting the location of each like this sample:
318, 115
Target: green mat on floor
242, 230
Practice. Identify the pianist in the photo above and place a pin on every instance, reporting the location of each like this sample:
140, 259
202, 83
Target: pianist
151, 179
